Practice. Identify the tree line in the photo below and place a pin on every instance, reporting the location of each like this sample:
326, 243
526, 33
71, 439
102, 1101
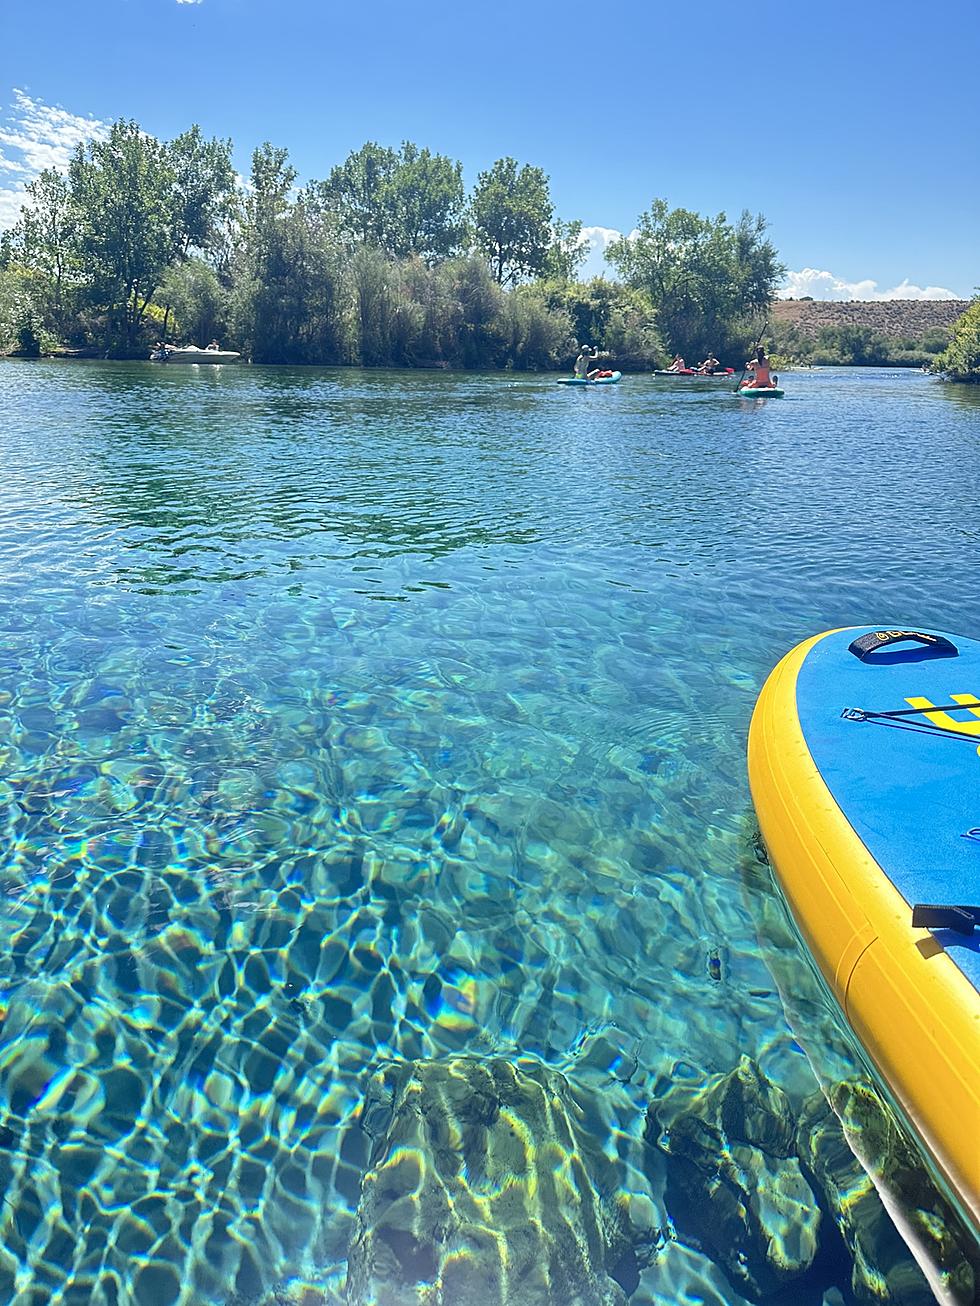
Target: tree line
388, 261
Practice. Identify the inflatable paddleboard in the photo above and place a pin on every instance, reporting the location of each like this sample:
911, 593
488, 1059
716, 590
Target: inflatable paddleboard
761, 392
864, 768
598, 380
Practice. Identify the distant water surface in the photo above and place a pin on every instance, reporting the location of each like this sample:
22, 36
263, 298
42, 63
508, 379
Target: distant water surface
357, 716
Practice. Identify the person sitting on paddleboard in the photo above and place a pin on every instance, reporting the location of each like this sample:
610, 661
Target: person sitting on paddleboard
759, 367
583, 361
678, 365
708, 366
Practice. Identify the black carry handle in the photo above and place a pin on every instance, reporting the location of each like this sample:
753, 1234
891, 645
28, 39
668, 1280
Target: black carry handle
877, 639
938, 916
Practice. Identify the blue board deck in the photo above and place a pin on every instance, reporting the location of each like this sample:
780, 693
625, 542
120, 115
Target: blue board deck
910, 792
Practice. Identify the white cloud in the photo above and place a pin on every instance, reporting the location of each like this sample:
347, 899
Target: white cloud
598, 240
824, 285
34, 136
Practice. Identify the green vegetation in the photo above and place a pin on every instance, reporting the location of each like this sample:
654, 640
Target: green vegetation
404, 203
706, 277
387, 262
848, 346
961, 361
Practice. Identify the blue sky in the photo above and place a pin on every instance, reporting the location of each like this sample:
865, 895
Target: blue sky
853, 128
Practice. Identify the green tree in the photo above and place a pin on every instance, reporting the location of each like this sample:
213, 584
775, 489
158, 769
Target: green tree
23, 327
425, 206
49, 238
609, 316
702, 274
204, 189
535, 335
850, 346
406, 202
480, 341
141, 205
354, 192
961, 359
198, 299
567, 251
512, 215
271, 181
291, 301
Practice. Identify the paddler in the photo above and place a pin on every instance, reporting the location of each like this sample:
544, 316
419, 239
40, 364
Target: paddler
707, 368
678, 365
582, 362
759, 367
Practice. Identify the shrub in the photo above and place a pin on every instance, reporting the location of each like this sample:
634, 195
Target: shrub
536, 335
961, 359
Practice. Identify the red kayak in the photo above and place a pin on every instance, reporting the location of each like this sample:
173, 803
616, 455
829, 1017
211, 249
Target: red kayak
704, 376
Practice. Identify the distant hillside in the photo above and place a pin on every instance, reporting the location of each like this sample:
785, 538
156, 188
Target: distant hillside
890, 317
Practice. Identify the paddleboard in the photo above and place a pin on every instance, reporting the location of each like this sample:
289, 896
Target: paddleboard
761, 392
864, 768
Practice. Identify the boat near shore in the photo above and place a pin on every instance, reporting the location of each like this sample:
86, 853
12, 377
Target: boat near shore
191, 354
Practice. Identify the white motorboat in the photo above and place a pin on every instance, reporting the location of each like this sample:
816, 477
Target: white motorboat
191, 354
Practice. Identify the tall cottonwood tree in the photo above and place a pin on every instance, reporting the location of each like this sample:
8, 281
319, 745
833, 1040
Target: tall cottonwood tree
290, 293
403, 202
702, 275
512, 215
140, 206
48, 237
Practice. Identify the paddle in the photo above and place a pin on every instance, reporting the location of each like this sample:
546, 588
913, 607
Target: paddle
754, 348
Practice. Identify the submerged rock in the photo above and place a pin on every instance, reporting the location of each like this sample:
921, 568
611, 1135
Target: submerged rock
856, 1135
484, 1188
733, 1181
769, 1191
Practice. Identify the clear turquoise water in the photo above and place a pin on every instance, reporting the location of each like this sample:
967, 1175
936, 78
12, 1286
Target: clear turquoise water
352, 716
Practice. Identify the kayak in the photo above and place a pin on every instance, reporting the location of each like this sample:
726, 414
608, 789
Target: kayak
760, 392
582, 380
721, 373
864, 766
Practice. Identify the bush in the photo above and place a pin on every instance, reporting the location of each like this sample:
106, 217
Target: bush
961, 360
198, 302
536, 335
854, 345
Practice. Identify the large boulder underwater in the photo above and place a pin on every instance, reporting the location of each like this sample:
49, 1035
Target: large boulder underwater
487, 1184
484, 1187
771, 1189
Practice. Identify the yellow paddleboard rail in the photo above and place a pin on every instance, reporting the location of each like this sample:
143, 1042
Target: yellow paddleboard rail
916, 1014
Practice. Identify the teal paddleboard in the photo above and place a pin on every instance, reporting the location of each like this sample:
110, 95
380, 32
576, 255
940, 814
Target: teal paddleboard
761, 392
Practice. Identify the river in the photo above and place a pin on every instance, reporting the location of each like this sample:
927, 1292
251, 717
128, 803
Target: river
352, 718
